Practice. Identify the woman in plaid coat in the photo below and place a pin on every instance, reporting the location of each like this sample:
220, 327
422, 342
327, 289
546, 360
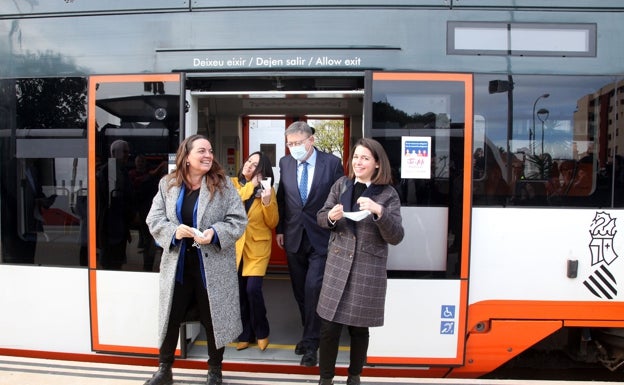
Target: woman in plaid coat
354, 285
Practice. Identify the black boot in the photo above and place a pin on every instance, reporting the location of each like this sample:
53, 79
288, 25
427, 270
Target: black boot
353, 380
163, 376
215, 377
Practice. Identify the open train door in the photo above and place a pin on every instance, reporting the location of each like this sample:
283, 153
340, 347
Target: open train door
424, 121
145, 111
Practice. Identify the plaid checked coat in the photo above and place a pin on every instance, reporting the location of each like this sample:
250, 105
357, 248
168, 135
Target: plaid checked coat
354, 284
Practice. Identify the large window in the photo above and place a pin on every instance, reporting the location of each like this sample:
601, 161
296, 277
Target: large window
548, 141
137, 128
43, 173
422, 120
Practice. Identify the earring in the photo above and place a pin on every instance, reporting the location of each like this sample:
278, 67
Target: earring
188, 164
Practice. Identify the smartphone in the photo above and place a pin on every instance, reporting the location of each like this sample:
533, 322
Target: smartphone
266, 183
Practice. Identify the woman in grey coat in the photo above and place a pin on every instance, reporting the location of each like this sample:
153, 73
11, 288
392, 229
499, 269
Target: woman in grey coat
354, 285
196, 217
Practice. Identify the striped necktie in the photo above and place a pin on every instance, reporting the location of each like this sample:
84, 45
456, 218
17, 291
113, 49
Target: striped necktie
303, 183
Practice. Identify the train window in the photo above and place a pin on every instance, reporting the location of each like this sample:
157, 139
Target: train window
549, 141
137, 127
432, 110
43, 177
266, 134
521, 39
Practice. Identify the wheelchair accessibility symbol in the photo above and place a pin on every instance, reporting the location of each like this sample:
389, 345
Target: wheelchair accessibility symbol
447, 324
448, 312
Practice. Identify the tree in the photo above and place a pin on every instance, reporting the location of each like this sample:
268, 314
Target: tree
329, 136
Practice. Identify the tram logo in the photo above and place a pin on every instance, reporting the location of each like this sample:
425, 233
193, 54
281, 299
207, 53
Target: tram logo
601, 282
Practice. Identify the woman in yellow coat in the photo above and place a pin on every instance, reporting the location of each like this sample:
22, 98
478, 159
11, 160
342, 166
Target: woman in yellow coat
253, 250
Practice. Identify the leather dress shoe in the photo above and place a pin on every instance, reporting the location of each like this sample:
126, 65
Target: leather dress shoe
309, 358
299, 348
353, 380
215, 377
263, 343
242, 345
163, 376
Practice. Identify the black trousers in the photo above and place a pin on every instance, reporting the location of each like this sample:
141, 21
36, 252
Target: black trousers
328, 352
190, 291
306, 268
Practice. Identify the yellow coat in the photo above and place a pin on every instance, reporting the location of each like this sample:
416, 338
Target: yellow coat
255, 244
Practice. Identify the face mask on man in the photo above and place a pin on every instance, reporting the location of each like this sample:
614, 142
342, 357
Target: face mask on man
299, 152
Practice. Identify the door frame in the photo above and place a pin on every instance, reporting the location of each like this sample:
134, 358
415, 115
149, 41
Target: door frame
457, 285
142, 280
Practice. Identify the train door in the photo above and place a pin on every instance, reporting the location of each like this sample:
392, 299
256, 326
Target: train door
424, 122
133, 128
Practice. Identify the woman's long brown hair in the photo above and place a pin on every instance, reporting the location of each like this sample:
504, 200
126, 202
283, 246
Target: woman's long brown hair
215, 177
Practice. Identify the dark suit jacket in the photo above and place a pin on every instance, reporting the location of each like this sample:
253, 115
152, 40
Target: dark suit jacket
295, 218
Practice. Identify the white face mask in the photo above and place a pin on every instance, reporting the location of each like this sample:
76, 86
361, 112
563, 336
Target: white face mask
299, 152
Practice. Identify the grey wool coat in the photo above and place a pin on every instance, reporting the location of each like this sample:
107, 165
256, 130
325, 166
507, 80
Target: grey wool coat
226, 214
355, 280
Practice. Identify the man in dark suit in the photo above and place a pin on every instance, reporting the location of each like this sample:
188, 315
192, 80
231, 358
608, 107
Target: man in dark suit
306, 177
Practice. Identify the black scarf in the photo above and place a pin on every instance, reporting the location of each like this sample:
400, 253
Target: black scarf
358, 190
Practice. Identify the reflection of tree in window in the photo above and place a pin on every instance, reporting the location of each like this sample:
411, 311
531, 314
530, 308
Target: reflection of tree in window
51, 103
387, 116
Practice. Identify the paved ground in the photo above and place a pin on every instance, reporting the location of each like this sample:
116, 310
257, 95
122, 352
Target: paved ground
27, 371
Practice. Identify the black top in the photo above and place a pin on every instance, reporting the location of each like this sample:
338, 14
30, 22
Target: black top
188, 206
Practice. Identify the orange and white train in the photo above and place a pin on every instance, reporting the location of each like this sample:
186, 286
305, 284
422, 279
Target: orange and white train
502, 124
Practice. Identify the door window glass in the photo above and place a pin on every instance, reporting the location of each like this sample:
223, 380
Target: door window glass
267, 135
420, 121
136, 128
329, 136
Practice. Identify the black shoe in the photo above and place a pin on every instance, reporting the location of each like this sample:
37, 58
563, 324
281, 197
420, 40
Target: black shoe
163, 376
309, 358
215, 377
299, 348
326, 381
353, 380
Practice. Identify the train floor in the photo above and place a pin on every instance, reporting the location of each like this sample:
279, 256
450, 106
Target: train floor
286, 329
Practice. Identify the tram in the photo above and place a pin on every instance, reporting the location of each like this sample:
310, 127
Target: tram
512, 208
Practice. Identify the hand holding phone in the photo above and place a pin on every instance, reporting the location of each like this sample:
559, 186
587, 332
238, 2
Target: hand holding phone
266, 183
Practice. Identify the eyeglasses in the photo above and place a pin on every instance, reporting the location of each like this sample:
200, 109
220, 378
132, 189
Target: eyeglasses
299, 143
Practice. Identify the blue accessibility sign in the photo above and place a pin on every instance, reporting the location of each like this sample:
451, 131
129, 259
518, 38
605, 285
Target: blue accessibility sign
447, 312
